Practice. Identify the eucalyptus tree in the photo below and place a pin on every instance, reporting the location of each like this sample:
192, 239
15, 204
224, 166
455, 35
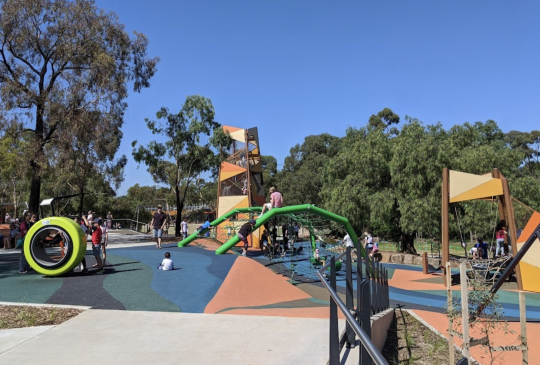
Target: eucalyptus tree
58, 57
300, 180
193, 145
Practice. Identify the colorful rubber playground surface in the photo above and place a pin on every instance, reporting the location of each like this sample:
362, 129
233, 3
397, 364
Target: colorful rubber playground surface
227, 284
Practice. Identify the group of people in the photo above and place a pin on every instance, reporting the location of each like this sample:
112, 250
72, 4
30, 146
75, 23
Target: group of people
370, 246
98, 231
17, 233
17, 230
481, 249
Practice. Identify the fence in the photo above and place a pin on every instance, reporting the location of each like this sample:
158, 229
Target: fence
372, 297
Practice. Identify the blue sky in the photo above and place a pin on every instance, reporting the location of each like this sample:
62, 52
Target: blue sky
294, 68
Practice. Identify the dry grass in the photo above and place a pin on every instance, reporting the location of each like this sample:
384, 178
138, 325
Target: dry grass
17, 316
410, 342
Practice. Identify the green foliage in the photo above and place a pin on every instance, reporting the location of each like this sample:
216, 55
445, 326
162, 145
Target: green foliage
60, 58
301, 177
269, 166
485, 313
193, 144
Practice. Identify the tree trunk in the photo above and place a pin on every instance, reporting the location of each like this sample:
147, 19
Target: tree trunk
407, 243
35, 188
81, 202
179, 207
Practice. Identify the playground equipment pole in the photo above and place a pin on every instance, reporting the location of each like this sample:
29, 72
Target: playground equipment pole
444, 220
217, 222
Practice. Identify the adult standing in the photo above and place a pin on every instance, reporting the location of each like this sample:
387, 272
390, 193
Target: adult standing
109, 220
80, 222
285, 232
368, 242
348, 241
104, 238
23, 229
184, 228
158, 223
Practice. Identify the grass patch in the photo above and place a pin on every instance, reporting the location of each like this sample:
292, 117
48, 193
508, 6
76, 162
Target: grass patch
18, 316
410, 342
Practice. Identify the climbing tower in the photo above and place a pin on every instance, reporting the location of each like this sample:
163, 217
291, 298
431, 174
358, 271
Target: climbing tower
240, 181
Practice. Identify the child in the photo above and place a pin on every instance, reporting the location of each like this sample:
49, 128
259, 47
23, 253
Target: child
244, 232
167, 264
96, 246
264, 240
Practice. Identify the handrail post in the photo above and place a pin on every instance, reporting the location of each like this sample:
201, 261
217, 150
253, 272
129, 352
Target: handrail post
365, 314
334, 329
349, 299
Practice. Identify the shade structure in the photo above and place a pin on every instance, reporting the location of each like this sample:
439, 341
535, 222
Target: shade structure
464, 186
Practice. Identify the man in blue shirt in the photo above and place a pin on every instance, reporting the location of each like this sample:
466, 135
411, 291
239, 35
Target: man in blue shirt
482, 248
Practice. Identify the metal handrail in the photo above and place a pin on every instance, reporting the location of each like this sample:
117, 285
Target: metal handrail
366, 342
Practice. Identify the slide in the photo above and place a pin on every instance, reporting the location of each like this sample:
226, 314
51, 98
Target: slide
186, 241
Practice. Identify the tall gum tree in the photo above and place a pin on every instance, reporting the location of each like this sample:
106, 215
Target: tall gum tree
192, 146
61, 56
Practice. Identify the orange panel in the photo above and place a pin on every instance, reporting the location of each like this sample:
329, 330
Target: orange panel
230, 129
229, 167
533, 222
529, 277
226, 175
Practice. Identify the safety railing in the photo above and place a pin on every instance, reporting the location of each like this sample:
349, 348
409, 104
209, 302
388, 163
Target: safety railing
372, 297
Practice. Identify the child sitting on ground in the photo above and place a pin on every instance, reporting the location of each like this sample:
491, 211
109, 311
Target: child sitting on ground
167, 264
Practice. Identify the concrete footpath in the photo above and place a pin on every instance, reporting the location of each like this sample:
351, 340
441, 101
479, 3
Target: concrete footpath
127, 337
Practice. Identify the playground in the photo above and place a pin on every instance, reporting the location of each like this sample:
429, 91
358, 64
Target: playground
292, 253
206, 283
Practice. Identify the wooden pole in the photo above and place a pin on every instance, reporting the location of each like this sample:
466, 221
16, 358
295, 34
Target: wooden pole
425, 268
444, 219
451, 360
511, 227
498, 175
465, 309
523, 322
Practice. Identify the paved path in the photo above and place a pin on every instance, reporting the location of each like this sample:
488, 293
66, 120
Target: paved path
124, 337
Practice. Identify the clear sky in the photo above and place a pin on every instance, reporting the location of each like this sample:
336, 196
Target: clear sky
294, 68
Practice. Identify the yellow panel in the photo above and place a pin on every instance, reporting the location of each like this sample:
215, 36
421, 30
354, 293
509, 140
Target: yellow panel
226, 203
491, 188
226, 175
255, 151
532, 257
239, 135
461, 182
242, 204
529, 277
